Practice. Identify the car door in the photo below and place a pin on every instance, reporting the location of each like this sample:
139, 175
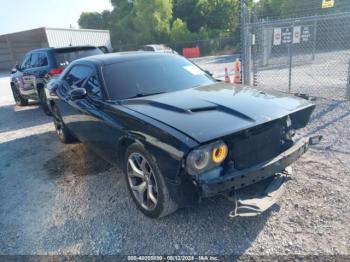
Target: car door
29, 81
102, 128
33, 75
18, 76
73, 111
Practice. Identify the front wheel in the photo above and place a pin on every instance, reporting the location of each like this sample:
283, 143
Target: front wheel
63, 133
43, 101
146, 184
20, 101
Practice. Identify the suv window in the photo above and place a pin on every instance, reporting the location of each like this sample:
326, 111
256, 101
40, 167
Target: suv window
42, 60
77, 75
66, 56
38, 60
93, 87
26, 62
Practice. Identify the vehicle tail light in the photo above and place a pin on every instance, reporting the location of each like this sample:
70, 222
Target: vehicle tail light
56, 71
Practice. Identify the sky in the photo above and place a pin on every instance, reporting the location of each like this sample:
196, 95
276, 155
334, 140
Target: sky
20, 15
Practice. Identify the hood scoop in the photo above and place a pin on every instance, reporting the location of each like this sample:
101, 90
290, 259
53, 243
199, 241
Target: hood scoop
203, 109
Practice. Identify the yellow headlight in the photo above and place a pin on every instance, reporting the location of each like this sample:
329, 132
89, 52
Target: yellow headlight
219, 154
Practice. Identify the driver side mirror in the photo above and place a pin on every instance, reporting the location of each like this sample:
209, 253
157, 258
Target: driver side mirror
77, 93
15, 69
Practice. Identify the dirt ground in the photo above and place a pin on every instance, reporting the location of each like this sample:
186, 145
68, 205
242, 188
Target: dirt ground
57, 199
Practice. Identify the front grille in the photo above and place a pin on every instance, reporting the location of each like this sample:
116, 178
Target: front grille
256, 145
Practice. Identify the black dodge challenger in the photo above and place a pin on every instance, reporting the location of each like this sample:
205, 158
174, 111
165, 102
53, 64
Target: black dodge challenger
179, 134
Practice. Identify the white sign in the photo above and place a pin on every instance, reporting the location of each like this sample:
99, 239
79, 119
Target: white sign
327, 3
277, 36
296, 34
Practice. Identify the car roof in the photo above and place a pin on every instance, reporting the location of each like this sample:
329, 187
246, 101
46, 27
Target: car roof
63, 49
108, 59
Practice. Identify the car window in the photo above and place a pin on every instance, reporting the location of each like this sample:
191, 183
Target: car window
159, 74
148, 48
93, 87
42, 60
77, 75
34, 60
26, 62
65, 57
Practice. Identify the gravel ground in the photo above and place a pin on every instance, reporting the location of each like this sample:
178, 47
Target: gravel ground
57, 199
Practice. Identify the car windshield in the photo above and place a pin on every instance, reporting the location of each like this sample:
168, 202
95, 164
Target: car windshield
148, 76
64, 57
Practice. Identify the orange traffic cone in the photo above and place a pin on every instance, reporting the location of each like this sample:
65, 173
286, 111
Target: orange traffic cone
237, 72
227, 77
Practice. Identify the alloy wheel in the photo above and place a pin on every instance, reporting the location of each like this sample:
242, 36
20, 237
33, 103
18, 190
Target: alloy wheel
16, 94
142, 181
58, 126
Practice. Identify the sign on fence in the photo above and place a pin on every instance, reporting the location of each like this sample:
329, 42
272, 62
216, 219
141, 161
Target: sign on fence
276, 36
327, 3
295, 35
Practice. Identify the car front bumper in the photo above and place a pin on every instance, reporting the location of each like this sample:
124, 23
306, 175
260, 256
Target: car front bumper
236, 179
256, 189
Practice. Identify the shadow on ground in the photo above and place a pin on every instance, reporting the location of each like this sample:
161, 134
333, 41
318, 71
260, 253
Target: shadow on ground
97, 216
14, 117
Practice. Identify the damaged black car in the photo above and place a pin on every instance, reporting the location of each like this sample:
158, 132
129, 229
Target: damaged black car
179, 134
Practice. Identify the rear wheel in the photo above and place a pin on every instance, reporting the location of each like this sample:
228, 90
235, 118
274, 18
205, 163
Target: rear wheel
63, 133
20, 101
43, 101
146, 184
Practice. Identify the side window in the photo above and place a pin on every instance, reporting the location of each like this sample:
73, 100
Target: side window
93, 87
26, 62
42, 60
34, 60
77, 75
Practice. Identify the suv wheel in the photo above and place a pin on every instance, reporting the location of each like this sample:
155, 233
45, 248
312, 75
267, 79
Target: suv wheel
20, 101
63, 133
43, 101
146, 184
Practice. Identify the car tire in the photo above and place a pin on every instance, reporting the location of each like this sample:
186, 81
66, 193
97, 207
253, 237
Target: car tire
43, 102
20, 101
63, 133
155, 183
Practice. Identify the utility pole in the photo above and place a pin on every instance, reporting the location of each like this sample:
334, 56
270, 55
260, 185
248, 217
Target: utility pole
242, 42
245, 43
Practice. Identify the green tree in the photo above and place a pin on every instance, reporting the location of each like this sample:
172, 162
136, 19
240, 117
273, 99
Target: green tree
215, 15
152, 19
297, 8
179, 32
95, 20
188, 12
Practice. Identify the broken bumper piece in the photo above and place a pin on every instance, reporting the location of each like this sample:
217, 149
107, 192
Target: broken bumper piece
246, 204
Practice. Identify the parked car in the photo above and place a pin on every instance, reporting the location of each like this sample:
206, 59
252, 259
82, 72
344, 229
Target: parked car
179, 135
29, 78
158, 49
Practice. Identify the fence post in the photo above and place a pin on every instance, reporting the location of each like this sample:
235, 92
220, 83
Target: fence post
314, 46
347, 95
290, 54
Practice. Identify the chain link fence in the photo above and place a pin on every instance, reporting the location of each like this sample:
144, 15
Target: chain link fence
309, 55
208, 47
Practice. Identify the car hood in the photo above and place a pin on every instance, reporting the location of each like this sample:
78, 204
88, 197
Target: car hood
209, 112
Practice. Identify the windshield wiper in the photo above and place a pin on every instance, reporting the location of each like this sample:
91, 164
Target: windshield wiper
150, 94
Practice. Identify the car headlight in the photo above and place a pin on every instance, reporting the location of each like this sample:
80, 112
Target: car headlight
206, 157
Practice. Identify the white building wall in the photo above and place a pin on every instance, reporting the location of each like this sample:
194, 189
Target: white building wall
75, 37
